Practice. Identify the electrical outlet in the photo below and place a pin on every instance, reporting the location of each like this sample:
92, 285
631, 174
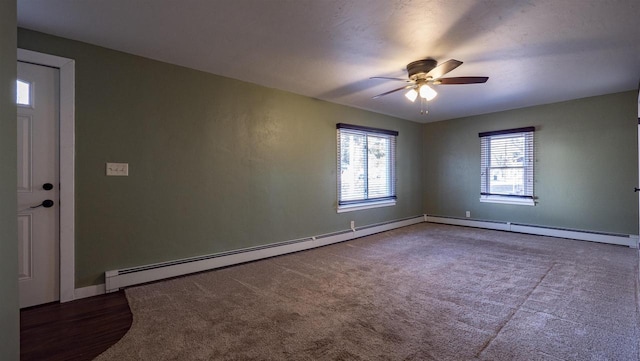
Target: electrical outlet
118, 169
468, 214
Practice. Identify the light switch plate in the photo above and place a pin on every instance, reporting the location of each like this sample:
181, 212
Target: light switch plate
118, 169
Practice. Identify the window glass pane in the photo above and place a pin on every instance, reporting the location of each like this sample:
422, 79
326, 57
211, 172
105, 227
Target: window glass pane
352, 166
506, 181
507, 162
379, 167
23, 91
366, 166
506, 174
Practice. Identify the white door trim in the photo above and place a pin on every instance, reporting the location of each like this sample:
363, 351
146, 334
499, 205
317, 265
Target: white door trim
67, 165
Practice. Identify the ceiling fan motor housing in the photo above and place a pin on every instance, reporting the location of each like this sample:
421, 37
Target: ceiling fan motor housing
418, 69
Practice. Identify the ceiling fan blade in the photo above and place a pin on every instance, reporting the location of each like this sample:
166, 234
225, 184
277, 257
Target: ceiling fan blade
387, 78
393, 91
444, 68
462, 80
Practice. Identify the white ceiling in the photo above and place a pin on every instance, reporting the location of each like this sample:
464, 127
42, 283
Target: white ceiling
534, 52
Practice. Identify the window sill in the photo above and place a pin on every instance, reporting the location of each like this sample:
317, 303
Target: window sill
508, 200
361, 206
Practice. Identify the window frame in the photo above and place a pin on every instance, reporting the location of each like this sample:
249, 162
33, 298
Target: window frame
366, 202
527, 133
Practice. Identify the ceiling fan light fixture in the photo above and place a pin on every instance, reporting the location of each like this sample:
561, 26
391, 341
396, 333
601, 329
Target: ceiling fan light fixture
425, 72
427, 92
412, 94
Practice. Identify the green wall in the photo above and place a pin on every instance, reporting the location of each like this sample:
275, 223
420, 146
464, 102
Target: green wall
218, 164
9, 316
215, 164
585, 171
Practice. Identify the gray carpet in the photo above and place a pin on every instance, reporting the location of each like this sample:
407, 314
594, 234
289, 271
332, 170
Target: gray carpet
424, 292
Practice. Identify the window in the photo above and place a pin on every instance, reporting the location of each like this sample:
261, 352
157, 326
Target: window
23, 93
506, 174
366, 167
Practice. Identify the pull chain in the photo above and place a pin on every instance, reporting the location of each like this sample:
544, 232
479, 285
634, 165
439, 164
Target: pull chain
424, 106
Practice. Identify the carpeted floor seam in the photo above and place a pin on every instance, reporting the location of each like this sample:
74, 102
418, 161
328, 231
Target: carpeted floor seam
515, 310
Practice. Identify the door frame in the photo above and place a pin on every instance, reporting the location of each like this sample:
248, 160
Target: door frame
67, 164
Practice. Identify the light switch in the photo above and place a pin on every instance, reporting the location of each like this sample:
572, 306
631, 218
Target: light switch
118, 169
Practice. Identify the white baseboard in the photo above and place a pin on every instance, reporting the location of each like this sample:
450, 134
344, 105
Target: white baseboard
89, 291
117, 279
619, 239
635, 241
499, 226
622, 240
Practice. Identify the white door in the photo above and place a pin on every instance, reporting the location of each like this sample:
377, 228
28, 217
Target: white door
38, 184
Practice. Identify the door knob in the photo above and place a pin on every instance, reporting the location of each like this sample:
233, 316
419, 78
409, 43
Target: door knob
47, 203
636, 189
47, 186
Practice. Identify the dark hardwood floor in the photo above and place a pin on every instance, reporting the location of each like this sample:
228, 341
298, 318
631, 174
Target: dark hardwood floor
77, 330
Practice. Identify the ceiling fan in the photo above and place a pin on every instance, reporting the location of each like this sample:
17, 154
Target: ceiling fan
426, 72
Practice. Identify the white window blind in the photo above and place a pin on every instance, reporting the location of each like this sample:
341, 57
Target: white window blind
366, 164
507, 159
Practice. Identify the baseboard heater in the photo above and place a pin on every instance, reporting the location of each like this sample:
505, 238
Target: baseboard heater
116, 279
592, 236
